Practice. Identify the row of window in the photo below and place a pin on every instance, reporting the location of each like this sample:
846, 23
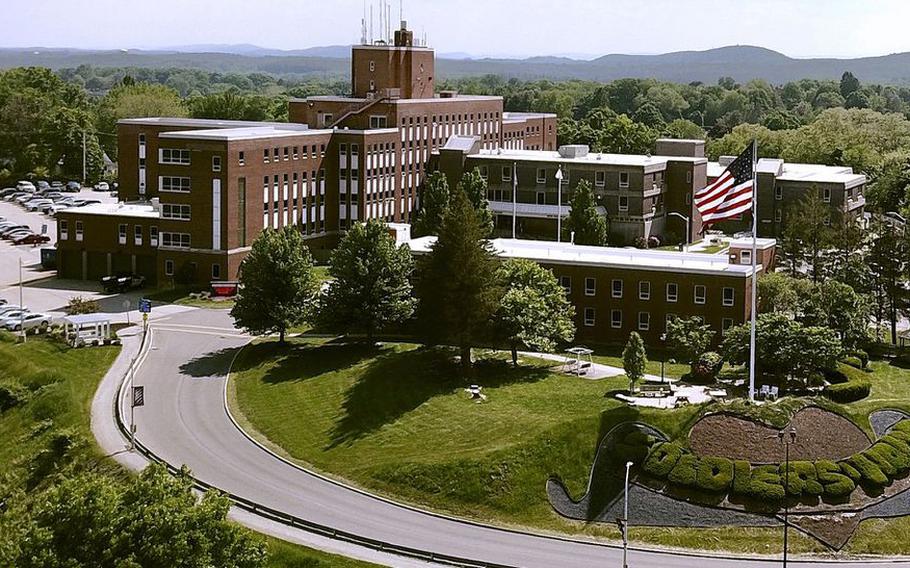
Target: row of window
174, 184
287, 153
65, 230
700, 291
169, 269
779, 194
180, 157
177, 211
643, 323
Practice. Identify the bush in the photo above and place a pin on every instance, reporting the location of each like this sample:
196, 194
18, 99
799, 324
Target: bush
801, 478
714, 474
765, 483
898, 443
834, 483
850, 471
742, 476
707, 366
653, 241
867, 470
863, 358
685, 473
12, 393
633, 447
79, 305
662, 459
835, 376
891, 460
851, 391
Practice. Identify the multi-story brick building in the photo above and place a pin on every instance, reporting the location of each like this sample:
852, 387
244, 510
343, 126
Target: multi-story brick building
197, 192
619, 290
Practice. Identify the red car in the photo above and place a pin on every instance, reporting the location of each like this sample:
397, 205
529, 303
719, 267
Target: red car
32, 239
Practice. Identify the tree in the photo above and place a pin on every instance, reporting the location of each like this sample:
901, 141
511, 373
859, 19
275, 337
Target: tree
230, 105
777, 294
807, 234
277, 284
849, 84
634, 359
589, 226
434, 202
135, 100
457, 285
153, 520
474, 186
649, 115
534, 312
371, 286
682, 129
688, 338
837, 306
887, 261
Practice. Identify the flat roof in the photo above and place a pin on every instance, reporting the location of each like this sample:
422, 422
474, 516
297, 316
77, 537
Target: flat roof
436, 99
796, 172
527, 115
649, 163
746, 243
245, 133
200, 122
607, 257
119, 209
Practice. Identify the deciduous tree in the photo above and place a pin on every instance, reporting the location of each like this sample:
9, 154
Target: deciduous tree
589, 226
434, 202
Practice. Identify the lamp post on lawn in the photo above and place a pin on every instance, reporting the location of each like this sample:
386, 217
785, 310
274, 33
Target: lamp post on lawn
688, 223
559, 178
624, 526
788, 438
663, 340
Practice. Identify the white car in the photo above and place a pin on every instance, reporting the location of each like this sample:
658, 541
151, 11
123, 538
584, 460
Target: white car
29, 321
25, 186
102, 186
7, 308
53, 208
38, 204
13, 317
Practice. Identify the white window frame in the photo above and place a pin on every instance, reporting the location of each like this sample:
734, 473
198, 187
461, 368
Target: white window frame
778, 193
64, 230
624, 184
674, 297
121, 233
175, 240
590, 317
644, 324
169, 267
623, 203
728, 302
541, 179
216, 163
590, 286
80, 230
600, 179
241, 158
826, 195
566, 283
484, 172
169, 187
174, 156
700, 300
218, 275
176, 211
613, 321
506, 173
644, 290
137, 235
725, 324
153, 236
613, 291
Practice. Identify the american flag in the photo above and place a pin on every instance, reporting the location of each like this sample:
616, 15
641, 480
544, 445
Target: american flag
731, 193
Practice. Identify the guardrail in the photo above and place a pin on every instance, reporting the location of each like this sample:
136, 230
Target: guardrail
280, 516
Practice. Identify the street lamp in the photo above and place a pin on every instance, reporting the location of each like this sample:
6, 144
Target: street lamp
788, 438
559, 177
663, 341
688, 223
625, 520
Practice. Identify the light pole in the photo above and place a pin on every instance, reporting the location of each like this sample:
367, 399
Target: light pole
663, 341
688, 223
788, 437
21, 304
625, 520
559, 177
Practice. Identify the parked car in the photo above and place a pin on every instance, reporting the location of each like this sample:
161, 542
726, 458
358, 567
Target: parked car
14, 232
102, 186
38, 204
57, 184
9, 229
42, 185
84, 202
73, 186
32, 239
13, 196
25, 197
3, 301
26, 186
13, 316
7, 191
53, 208
28, 321
122, 282
7, 308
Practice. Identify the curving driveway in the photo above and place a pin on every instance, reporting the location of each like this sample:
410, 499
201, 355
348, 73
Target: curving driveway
185, 422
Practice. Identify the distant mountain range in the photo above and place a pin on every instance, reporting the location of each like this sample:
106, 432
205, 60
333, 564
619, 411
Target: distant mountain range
740, 62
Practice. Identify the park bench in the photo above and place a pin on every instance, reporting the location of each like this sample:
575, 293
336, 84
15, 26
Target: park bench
653, 391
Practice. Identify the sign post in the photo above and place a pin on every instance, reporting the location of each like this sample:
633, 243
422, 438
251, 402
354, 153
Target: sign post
137, 393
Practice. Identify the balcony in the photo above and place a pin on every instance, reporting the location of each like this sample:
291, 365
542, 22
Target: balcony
532, 210
855, 203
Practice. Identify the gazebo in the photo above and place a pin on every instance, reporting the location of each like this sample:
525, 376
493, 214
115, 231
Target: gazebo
578, 360
87, 329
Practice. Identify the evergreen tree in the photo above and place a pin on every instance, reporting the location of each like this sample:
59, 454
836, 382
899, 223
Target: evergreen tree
277, 284
807, 235
887, 261
371, 288
474, 186
457, 284
534, 313
434, 202
849, 84
634, 359
590, 227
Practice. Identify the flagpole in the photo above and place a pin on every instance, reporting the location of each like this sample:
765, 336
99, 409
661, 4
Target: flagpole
754, 272
514, 195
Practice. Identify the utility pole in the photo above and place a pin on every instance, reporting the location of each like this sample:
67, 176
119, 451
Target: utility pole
84, 178
625, 520
787, 438
21, 304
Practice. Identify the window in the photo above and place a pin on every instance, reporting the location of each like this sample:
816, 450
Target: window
726, 324
175, 240
216, 272
644, 290
377, 121
590, 286
121, 234
778, 193
672, 291
168, 267
728, 296
617, 288
287, 153
275, 155
670, 317
137, 235
79, 230
173, 156
372, 66
64, 230
265, 156
688, 199
616, 319
142, 139
600, 179
506, 173
175, 211
355, 149
174, 184
826, 196
566, 283
590, 317
541, 175
153, 236
700, 294
541, 198
484, 172
745, 257
624, 179
623, 203
778, 216
241, 159
216, 163
688, 177
327, 119
644, 321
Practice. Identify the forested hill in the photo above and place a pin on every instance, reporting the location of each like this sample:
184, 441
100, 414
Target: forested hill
742, 63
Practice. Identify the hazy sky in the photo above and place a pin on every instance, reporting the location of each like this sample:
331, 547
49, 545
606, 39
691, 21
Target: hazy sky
799, 28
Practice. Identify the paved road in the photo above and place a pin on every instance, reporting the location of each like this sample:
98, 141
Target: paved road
185, 422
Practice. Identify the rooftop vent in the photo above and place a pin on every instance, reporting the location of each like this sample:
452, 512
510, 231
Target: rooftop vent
573, 151
725, 161
448, 94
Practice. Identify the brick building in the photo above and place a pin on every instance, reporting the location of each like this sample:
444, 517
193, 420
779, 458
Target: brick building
197, 192
619, 290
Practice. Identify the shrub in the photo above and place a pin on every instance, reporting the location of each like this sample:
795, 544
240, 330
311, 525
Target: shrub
714, 474
662, 459
633, 447
835, 483
707, 366
685, 472
765, 484
850, 471
863, 358
12, 393
885, 453
653, 241
902, 426
79, 305
835, 376
851, 391
742, 476
801, 478
898, 443
868, 470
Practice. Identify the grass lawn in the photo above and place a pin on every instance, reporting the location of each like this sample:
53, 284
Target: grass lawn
60, 384
397, 421
181, 296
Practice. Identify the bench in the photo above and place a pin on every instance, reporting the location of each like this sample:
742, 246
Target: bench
653, 391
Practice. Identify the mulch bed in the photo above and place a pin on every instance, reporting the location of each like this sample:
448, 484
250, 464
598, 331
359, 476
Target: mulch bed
820, 435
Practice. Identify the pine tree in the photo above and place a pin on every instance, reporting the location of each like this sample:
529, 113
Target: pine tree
475, 188
434, 202
371, 288
590, 227
634, 359
807, 235
277, 284
457, 284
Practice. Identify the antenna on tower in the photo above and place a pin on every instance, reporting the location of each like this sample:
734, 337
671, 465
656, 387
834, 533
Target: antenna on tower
363, 25
371, 23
